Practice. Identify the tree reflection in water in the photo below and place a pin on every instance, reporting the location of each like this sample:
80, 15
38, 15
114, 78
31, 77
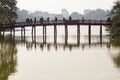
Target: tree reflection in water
8, 57
116, 58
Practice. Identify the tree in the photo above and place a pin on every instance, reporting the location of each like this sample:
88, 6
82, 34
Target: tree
8, 10
115, 13
115, 17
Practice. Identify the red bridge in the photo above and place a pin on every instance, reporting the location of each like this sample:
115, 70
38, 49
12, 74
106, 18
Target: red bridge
11, 26
55, 22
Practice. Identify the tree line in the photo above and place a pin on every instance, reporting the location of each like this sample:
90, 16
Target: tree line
97, 14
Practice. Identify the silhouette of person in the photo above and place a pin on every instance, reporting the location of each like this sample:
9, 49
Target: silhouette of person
55, 18
30, 20
27, 20
108, 19
48, 19
63, 19
35, 20
83, 19
41, 20
70, 18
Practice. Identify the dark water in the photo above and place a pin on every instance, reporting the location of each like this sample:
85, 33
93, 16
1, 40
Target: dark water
32, 59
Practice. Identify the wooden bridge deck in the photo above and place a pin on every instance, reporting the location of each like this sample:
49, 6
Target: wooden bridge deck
55, 22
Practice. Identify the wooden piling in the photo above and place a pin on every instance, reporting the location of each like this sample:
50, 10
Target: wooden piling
44, 33
66, 34
55, 34
89, 33
24, 31
32, 31
13, 31
100, 33
78, 34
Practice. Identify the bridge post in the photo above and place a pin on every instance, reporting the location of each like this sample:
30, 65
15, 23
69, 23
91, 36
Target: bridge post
66, 34
32, 31
21, 31
13, 31
3, 32
10, 31
44, 33
100, 33
78, 34
55, 34
24, 31
89, 33
0, 31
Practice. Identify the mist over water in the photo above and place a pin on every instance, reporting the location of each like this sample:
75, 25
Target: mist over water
38, 60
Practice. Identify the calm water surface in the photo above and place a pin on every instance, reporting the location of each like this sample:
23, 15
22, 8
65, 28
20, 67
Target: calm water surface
31, 59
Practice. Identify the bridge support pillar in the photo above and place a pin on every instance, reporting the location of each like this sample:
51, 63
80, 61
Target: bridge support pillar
13, 31
100, 33
89, 33
10, 31
24, 32
22, 35
0, 31
3, 32
78, 34
21, 31
55, 34
66, 34
44, 33
33, 33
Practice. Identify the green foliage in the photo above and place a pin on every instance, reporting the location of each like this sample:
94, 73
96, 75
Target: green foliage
115, 42
115, 17
8, 10
8, 57
117, 60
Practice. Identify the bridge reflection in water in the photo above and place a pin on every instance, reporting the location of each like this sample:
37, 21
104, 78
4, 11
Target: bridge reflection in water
66, 43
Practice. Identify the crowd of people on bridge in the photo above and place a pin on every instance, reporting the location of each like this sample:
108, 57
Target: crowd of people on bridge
42, 19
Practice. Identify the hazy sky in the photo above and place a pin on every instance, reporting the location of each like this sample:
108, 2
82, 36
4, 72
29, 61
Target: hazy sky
55, 6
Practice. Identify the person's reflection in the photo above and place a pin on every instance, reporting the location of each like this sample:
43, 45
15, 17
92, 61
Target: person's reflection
8, 58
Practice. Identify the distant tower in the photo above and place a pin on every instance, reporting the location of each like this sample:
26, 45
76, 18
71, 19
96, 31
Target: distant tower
65, 13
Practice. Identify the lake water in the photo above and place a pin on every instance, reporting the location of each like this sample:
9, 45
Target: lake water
31, 59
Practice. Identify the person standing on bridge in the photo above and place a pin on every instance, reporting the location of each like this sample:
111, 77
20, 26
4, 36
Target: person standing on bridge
41, 20
63, 19
56, 19
83, 19
70, 18
108, 20
27, 20
48, 19
34, 20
